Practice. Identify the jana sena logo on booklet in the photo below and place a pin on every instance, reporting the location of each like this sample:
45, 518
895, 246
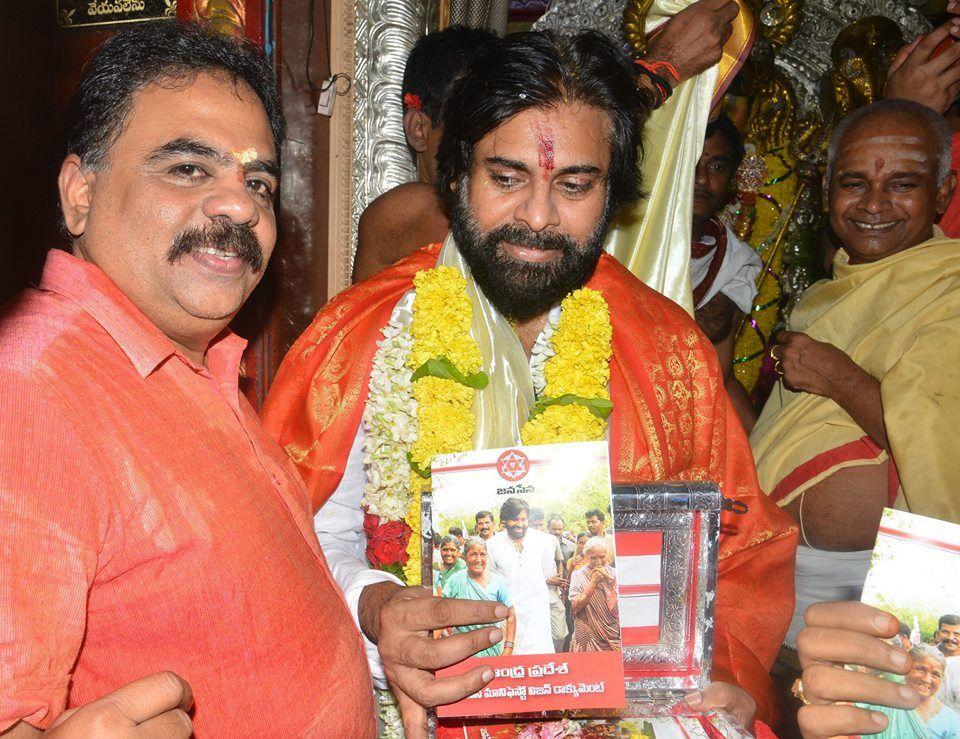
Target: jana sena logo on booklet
548, 582
913, 575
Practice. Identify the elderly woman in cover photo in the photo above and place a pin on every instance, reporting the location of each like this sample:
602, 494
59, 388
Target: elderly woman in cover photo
476, 582
593, 599
931, 719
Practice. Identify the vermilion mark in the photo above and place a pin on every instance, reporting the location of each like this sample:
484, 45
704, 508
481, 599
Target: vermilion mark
545, 152
879, 164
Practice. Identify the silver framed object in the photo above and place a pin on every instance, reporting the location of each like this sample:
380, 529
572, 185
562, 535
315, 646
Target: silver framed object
688, 513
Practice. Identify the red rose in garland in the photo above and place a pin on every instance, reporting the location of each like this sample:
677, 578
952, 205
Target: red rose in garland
386, 542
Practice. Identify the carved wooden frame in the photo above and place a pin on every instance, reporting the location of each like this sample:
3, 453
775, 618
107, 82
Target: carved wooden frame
368, 153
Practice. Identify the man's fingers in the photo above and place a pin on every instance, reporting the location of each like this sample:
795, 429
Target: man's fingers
424, 614
784, 337
817, 644
413, 714
824, 684
724, 697
170, 725
852, 616
820, 722
151, 696
430, 691
424, 653
729, 11
932, 40
946, 59
902, 55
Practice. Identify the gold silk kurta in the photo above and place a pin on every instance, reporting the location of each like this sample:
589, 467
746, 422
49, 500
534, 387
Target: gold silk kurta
899, 319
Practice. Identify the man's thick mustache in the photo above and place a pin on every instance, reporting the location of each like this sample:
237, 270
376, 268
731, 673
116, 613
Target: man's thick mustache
530, 239
224, 235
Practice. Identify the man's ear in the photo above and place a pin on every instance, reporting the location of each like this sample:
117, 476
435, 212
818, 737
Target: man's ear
416, 127
74, 183
825, 194
945, 192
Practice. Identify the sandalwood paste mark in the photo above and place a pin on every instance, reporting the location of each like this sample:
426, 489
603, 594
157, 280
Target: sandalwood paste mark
244, 158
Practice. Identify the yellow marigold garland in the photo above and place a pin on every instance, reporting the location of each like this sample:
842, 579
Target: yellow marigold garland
580, 367
442, 314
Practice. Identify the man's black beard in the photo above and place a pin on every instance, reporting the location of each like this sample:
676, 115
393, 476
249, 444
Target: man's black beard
222, 234
521, 290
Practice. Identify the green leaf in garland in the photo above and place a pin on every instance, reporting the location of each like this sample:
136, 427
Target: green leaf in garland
425, 474
443, 368
600, 407
395, 569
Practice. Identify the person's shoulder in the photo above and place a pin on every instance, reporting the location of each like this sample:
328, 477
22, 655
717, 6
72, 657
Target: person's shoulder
455, 579
740, 248
543, 538
32, 323
625, 290
397, 223
407, 195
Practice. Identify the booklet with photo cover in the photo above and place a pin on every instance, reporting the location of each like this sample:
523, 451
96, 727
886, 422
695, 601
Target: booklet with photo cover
541, 664
913, 575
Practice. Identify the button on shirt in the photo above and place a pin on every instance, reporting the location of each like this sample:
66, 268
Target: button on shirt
147, 523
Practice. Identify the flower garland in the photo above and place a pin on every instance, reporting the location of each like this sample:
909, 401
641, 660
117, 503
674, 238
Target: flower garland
422, 389
390, 423
575, 400
446, 362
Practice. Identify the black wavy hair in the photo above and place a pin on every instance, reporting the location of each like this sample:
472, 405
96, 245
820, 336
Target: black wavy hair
726, 128
436, 61
511, 508
151, 52
542, 69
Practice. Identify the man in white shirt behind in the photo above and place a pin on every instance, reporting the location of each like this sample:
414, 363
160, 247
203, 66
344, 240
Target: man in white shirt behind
526, 559
948, 641
723, 269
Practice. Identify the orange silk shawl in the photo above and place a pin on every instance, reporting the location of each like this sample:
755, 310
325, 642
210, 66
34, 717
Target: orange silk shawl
671, 420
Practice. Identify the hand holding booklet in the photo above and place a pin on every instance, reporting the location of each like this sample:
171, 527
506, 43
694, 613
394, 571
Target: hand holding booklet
542, 664
913, 575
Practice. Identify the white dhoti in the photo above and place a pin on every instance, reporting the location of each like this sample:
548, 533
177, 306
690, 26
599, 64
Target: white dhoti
825, 576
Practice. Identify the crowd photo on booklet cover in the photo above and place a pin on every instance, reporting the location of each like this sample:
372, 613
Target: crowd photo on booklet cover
390, 298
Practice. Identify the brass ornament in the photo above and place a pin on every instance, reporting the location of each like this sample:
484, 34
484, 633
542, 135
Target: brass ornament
223, 16
778, 20
634, 20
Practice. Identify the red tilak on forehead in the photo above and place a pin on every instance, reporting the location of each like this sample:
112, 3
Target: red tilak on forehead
879, 164
544, 150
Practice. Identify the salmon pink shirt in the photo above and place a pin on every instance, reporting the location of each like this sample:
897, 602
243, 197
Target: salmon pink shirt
147, 523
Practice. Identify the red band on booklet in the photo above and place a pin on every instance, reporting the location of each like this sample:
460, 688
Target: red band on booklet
537, 682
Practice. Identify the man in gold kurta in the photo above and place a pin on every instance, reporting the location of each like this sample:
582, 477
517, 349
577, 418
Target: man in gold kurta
868, 400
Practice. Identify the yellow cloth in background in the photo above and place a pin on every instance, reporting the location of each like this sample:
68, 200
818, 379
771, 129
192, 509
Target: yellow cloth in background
652, 238
899, 319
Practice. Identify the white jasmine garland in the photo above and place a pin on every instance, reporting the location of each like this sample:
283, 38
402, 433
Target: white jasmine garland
390, 424
543, 350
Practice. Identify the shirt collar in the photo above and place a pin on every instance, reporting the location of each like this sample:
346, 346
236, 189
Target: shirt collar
145, 345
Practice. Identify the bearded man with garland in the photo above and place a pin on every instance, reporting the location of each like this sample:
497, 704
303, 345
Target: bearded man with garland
540, 149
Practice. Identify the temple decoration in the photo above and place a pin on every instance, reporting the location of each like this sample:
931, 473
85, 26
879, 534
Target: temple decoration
223, 16
105, 13
634, 20
813, 61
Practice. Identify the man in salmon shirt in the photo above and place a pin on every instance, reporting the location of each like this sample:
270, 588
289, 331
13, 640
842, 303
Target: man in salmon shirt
160, 573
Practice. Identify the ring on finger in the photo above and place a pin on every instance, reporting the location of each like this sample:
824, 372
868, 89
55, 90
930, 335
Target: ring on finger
797, 690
